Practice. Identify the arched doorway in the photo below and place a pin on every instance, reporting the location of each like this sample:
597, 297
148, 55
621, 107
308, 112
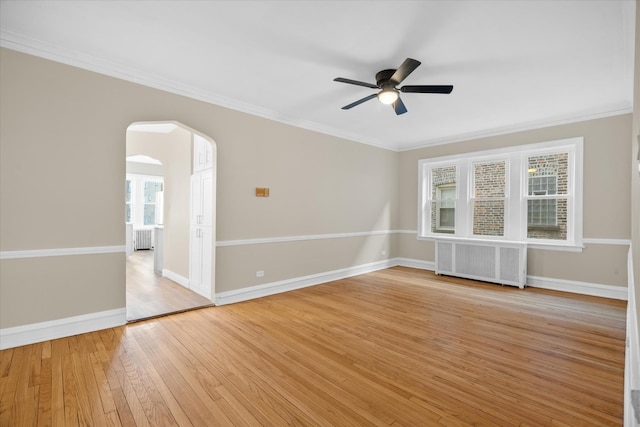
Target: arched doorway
177, 271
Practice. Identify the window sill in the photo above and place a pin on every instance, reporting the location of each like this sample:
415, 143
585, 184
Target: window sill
445, 231
543, 227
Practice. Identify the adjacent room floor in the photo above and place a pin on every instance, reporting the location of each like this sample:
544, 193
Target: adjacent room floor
150, 295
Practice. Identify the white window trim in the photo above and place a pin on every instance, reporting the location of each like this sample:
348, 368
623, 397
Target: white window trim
515, 200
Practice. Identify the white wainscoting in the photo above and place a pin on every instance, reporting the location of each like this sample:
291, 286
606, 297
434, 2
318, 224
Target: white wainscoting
54, 329
38, 253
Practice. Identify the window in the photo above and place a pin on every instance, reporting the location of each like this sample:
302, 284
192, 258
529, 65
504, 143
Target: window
488, 198
547, 196
443, 199
151, 188
127, 201
446, 208
143, 200
541, 212
529, 193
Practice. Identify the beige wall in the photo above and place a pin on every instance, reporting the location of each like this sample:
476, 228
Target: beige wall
173, 149
34, 290
606, 199
319, 185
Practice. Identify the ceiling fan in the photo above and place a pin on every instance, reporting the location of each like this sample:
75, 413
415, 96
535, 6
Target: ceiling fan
387, 80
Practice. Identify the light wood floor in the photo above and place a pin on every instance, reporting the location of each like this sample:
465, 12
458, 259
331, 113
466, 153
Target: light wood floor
151, 295
398, 347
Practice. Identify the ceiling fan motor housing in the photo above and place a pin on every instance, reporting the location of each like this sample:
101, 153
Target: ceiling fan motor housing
382, 79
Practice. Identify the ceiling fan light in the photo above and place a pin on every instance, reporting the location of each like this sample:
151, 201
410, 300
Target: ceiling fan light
388, 96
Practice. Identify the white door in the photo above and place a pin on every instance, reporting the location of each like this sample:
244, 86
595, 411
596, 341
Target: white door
201, 260
206, 191
195, 260
206, 250
201, 198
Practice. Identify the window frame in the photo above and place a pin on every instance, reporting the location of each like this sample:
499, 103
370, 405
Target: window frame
516, 193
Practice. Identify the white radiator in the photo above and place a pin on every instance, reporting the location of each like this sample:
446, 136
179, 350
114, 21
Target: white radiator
497, 262
143, 239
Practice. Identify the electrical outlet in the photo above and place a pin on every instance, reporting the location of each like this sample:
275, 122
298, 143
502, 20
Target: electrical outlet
260, 273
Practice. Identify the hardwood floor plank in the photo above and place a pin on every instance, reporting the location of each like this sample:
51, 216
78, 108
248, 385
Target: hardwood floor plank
102, 384
9, 384
398, 347
125, 416
69, 394
6, 357
24, 396
58, 348
44, 399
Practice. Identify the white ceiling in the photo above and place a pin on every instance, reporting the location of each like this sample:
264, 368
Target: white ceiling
514, 64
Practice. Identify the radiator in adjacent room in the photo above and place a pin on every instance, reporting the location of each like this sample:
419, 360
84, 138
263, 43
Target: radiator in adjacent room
497, 262
143, 239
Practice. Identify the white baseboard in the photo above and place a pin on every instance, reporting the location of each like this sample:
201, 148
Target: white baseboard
273, 288
53, 329
181, 280
416, 263
573, 286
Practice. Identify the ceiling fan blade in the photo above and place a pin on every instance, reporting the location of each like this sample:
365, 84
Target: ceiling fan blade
360, 101
427, 89
355, 82
407, 67
399, 107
